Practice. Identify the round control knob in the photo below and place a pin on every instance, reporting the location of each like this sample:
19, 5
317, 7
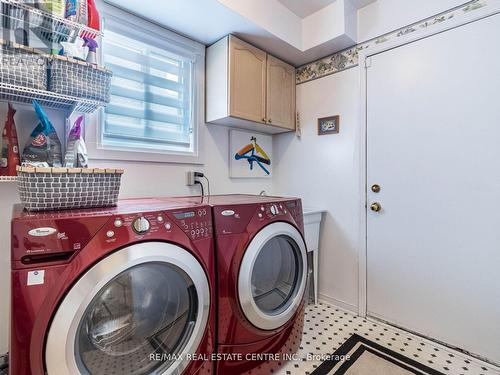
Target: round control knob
274, 210
118, 223
168, 226
141, 225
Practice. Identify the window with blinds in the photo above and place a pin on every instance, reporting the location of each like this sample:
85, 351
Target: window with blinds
152, 93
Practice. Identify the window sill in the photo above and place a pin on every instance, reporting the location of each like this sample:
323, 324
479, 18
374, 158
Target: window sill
96, 153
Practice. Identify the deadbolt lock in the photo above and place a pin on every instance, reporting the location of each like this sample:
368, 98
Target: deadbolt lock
376, 207
376, 188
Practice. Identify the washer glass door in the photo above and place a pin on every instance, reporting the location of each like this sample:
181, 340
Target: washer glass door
138, 311
148, 309
273, 276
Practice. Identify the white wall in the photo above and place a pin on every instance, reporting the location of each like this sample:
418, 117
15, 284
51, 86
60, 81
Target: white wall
272, 16
326, 24
139, 180
384, 16
323, 170
158, 179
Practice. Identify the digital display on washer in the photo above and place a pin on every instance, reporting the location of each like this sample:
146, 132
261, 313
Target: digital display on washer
184, 215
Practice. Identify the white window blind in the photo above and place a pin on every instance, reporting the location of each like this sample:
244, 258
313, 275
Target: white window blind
152, 93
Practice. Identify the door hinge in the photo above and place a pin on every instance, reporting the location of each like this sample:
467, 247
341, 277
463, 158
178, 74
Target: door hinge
368, 62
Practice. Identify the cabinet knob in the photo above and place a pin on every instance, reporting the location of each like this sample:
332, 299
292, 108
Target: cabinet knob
264, 119
270, 121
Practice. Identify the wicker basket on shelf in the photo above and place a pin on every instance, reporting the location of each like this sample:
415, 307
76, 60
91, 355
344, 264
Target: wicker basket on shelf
72, 77
22, 66
45, 189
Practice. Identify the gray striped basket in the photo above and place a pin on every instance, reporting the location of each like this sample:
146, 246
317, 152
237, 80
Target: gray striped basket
45, 189
71, 77
22, 66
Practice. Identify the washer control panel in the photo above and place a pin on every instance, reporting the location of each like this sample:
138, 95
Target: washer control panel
141, 225
196, 223
271, 210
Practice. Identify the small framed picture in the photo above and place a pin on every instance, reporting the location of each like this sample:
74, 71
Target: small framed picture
328, 125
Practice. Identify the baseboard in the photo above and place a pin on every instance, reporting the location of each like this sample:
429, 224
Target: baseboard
338, 303
480, 360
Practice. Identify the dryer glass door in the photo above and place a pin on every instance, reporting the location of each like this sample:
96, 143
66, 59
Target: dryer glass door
142, 320
276, 274
273, 276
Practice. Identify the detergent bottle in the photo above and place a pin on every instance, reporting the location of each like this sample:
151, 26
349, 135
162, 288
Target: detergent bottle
10, 147
93, 18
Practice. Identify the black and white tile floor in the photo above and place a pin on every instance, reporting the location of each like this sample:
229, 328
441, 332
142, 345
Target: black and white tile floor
327, 327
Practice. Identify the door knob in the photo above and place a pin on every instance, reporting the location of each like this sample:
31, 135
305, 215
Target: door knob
375, 207
376, 188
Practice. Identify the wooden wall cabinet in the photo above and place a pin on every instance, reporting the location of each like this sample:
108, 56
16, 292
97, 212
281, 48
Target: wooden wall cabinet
248, 88
280, 104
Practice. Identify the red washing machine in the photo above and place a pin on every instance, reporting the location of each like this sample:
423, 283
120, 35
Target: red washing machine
262, 277
125, 290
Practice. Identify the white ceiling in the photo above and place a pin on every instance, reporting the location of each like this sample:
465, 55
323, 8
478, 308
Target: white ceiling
207, 21
304, 8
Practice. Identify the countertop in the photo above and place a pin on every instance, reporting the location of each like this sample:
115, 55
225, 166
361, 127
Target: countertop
312, 210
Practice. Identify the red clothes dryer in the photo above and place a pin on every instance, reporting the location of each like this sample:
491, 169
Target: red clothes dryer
125, 290
262, 277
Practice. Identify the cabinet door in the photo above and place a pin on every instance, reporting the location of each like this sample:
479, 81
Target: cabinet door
247, 81
280, 93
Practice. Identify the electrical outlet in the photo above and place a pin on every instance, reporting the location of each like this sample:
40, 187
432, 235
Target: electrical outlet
190, 178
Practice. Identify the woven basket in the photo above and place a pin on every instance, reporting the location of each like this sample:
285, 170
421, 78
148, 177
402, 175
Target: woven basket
45, 189
22, 66
77, 78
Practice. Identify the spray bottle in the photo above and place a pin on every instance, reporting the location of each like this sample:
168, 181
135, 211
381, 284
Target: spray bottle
10, 147
92, 45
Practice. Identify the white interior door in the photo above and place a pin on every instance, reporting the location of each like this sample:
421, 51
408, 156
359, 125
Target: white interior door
433, 147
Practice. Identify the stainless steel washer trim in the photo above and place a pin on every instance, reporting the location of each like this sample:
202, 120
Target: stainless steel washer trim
252, 312
59, 353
